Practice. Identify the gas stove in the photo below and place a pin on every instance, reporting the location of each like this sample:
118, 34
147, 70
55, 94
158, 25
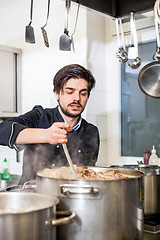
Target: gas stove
152, 227
152, 223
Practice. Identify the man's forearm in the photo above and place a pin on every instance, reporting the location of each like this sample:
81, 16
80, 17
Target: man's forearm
57, 133
31, 135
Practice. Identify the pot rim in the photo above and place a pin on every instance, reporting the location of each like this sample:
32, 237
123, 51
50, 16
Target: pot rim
139, 172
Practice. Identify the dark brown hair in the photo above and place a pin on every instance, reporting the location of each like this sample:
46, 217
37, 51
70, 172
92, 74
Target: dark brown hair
72, 71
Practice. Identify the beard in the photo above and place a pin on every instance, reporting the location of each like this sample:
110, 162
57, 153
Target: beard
68, 114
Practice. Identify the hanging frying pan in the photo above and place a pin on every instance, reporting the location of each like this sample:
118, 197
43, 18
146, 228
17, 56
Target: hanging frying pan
149, 76
149, 79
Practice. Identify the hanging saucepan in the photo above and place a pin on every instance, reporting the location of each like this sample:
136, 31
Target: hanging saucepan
149, 76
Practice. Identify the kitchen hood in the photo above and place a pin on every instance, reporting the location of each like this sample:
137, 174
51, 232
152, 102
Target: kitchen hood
118, 8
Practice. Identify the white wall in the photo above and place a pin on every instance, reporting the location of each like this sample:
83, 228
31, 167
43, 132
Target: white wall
95, 48
39, 63
96, 57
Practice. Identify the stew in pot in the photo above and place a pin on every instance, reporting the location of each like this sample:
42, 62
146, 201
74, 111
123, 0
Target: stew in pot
83, 173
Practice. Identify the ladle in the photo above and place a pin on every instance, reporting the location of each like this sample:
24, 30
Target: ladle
156, 56
68, 158
134, 45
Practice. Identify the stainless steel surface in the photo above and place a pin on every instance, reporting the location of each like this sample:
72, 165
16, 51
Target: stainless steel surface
149, 79
112, 209
151, 187
29, 225
29, 186
151, 190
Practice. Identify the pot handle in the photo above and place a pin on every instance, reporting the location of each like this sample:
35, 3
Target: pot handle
68, 189
31, 183
61, 221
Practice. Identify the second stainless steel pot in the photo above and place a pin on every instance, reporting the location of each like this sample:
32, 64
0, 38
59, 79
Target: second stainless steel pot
105, 209
151, 187
29, 216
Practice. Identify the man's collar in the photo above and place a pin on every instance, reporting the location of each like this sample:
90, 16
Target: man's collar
75, 128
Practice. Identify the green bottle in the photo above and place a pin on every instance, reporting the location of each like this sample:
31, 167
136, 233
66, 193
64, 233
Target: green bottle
5, 172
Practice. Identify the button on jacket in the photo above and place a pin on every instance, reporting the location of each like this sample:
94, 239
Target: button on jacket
83, 143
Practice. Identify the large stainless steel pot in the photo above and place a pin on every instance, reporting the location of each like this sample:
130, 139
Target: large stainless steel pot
105, 209
151, 187
28, 216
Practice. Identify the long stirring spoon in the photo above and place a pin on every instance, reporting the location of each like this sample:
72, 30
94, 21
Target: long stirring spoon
68, 158
136, 62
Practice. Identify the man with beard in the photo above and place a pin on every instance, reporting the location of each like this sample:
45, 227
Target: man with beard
41, 132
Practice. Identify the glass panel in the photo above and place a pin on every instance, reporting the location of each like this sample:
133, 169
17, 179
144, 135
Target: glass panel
140, 114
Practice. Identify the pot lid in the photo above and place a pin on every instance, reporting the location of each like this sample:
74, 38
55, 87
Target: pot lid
149, 79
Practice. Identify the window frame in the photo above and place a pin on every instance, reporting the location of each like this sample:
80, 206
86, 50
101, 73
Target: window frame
146, 33
17, 66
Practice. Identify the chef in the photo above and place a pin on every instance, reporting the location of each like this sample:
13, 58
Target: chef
41, 132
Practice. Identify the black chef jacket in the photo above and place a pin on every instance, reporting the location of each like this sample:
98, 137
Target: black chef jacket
83, 144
